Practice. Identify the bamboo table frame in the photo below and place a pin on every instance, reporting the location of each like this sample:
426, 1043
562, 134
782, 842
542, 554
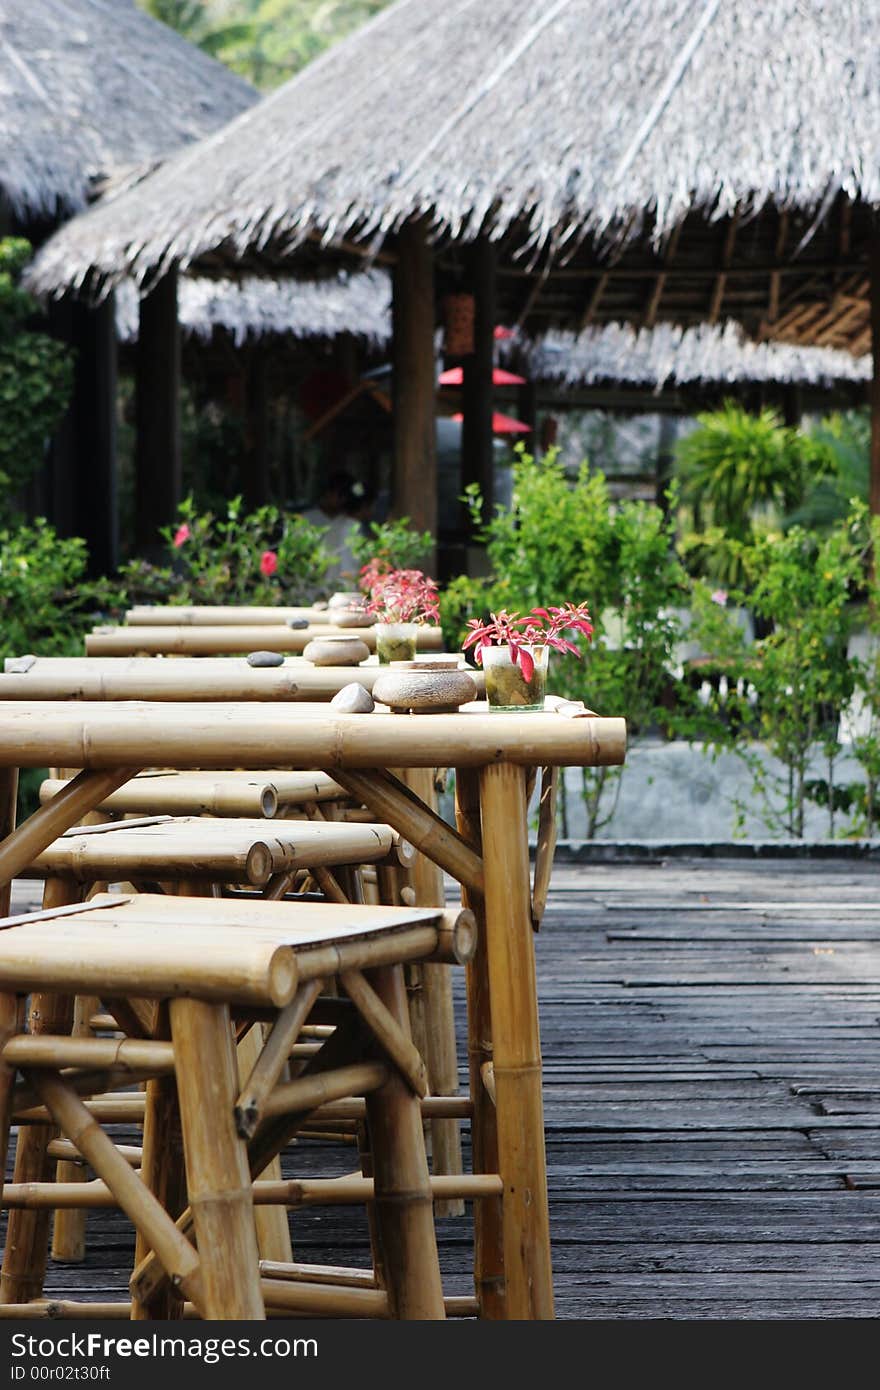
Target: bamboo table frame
487, 854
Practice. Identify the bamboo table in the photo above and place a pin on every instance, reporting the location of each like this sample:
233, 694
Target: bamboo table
487, 854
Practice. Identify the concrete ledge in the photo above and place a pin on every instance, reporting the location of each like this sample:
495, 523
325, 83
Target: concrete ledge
647, 851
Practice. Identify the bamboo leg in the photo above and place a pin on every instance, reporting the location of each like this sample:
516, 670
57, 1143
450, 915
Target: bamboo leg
176, 1254
27, 1236
69, 1226
162, 1171
488, 1222
216, 1161
436, 997
10, 1023
402, 1203
8, 803
516, 1043
273, 1229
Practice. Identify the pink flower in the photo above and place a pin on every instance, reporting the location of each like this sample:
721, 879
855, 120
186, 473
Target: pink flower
719, 597
181, 535
268, 563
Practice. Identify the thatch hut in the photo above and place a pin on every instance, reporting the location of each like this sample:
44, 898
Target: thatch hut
645, 161
93, 95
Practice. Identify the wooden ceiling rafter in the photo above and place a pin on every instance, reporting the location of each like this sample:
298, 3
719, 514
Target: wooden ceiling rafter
653, 305
726, 258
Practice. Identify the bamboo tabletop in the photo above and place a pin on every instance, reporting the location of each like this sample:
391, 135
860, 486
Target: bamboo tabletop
207, 615
304, 735
193, 640
181, 678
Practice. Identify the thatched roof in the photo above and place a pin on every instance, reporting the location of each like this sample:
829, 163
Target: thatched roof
668, 158
668, 356
251, 308
96, 90
360, 305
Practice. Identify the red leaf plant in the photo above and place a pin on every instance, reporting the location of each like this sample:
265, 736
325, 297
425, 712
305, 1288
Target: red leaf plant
181, 536
543, 627
400, 596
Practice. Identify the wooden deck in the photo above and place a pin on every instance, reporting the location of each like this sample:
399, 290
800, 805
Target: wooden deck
711, 1036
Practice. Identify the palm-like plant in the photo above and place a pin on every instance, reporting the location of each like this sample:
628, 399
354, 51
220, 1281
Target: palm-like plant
735, 466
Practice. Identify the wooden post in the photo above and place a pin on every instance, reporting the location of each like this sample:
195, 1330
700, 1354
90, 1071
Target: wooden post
158, 480
414, 476
874, 477
439, 1023
488, 1220
216, 1163
477, 449
516, 1043
255, 482
82, 464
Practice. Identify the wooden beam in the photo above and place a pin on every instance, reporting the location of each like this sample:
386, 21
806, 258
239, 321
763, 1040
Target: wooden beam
477, 443
726, 258
158, 478
414, 468
593, 302
660, 283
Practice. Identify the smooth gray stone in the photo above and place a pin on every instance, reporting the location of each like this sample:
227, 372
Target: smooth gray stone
265, 659
353, 699
17, 665
297, 623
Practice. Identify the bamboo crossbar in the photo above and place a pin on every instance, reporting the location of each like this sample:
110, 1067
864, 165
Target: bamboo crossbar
273, 1058
322, 1300
63, 1149
59, 1308
398, 1048
120, 1054
307, 1093
308, 737
122, 1108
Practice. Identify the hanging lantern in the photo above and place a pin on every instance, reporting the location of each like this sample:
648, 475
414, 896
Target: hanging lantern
458, 324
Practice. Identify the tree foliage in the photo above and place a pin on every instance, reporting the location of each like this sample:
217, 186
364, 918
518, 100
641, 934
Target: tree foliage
265, 41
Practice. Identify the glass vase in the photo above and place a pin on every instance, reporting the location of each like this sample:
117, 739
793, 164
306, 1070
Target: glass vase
396, 642
507, 687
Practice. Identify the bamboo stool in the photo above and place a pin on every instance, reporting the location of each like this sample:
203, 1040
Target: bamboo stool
205, 965
189, 856
238, 794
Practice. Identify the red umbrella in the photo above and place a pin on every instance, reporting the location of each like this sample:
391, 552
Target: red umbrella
503, 424
455, 377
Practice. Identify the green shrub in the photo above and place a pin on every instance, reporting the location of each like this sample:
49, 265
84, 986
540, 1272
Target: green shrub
563, 540
45, 604
395, 542
36, 378
262, 557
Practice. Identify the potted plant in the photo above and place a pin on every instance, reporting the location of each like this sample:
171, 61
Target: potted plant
402, 600
514, 651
